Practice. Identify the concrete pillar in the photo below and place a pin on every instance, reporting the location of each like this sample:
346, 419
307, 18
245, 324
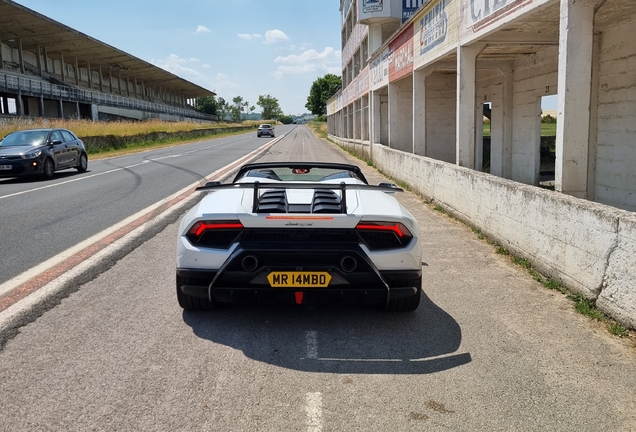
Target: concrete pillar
46, 60
77, 73
465, 126
576, 39
501, 136
20, 102
419, 110
41, 106
39, 60
479, 137
593, 140
21, 55
375, 37
101, 80
90, 75
356, 119
110, 80
62, 66
60, 108
1, 58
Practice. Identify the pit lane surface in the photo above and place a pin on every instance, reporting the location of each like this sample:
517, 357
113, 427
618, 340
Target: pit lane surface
489, 349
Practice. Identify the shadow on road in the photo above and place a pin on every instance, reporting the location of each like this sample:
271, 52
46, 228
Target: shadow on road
346, 340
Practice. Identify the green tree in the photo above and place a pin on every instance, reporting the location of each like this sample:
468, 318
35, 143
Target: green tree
236, 109
321, 90
270, 106
207, 105
222, 108
286, 119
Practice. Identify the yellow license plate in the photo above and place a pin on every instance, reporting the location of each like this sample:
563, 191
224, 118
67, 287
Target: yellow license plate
299, 279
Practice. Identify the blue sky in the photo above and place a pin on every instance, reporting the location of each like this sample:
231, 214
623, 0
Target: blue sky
233, 47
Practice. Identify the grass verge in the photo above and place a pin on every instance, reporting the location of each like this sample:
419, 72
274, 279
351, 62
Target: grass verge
88, 128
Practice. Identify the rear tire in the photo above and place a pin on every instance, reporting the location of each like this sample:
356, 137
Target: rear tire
83, 164
191, 303
406, 304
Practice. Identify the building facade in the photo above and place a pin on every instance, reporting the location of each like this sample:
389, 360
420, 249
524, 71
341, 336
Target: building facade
418, 76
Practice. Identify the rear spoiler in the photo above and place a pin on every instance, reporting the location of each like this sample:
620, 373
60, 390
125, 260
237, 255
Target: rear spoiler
342, 186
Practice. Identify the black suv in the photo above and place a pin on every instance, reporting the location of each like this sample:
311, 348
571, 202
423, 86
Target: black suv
265, 129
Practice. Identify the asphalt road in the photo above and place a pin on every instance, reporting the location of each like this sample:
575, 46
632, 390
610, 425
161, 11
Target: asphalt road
43, 218
489, 349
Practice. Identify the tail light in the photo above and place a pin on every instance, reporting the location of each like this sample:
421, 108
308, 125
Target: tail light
384, 235
214, 234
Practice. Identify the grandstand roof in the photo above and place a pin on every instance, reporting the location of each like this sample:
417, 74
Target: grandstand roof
17, 21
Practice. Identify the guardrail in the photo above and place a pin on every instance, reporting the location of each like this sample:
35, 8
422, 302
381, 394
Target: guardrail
36, 88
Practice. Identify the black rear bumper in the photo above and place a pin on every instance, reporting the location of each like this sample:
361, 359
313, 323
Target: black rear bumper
397, 284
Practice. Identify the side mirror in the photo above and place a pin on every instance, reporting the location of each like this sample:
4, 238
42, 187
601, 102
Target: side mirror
212, 183
56, 142
388, 185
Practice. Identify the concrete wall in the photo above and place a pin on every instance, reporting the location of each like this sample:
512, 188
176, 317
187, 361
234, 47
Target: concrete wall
589, 247
616, 147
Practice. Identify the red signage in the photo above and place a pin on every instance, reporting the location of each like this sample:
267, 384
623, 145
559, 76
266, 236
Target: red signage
401, 63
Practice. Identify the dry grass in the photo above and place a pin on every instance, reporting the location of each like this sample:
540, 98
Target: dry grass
86, 128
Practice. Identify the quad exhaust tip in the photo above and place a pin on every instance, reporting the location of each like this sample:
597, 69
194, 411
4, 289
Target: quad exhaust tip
249, 263
348, 264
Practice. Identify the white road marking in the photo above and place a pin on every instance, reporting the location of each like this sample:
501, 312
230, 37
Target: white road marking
110, 171
313, 408
312, 344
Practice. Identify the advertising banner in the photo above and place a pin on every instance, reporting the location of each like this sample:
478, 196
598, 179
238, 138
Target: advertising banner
478, 15
409, 7
401, 63
379, 70
435, 31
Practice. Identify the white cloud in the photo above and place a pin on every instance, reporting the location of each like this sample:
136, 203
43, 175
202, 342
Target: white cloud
202, 29
309, 61
328, 55
274, 36
248, 36
179, 66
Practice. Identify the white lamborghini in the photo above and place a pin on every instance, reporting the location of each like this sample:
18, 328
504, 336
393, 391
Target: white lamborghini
299, 233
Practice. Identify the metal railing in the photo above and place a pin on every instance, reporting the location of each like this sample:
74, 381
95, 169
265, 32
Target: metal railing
38, 88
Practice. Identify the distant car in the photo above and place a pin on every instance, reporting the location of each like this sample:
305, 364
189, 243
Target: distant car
299, 233
41, 152
265, 129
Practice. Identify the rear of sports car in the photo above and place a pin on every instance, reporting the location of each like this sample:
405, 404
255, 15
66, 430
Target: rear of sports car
299, 247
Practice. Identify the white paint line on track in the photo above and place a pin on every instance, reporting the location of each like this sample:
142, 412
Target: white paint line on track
313, 409
61, 257
312, 344
111, 171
